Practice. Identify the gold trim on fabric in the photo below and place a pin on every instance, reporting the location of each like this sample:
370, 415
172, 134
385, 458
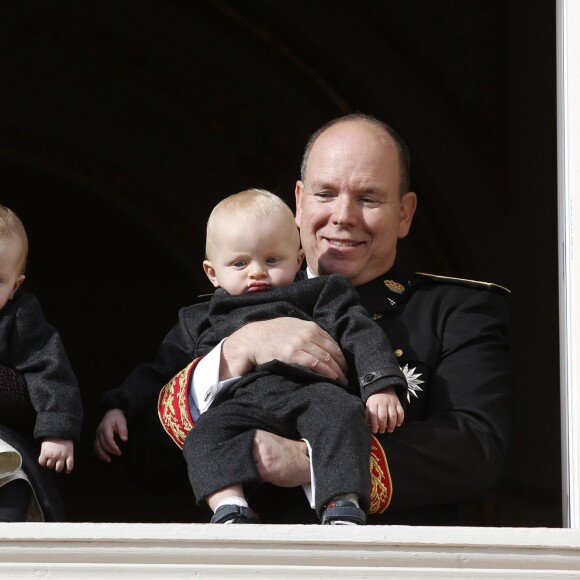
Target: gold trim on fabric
451, 278
173, 407
381, 483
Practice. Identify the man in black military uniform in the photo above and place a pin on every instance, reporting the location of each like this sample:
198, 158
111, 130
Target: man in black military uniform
352, 206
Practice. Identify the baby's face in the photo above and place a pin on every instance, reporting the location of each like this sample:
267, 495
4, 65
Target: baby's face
10, 275
253, 257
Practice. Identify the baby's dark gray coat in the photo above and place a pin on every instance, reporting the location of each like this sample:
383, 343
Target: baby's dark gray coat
31, 346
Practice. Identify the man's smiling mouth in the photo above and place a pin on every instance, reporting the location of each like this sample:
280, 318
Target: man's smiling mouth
342, 243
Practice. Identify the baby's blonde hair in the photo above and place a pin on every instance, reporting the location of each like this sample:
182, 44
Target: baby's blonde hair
12, 227
252, 205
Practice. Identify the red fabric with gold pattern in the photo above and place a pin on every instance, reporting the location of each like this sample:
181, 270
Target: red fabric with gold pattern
173, 407
381, 484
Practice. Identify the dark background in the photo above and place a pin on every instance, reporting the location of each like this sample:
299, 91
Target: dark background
123, 123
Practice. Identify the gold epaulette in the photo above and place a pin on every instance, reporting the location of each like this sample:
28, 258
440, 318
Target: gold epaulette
462, 282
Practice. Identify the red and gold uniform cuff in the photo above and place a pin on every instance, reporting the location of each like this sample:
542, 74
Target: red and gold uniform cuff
381, 484
173, 405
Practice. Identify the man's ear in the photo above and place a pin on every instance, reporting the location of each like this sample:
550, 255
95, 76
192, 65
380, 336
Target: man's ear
298, 192
210, 273
19, 281
407, 211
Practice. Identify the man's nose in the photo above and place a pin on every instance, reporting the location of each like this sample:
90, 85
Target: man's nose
345, 212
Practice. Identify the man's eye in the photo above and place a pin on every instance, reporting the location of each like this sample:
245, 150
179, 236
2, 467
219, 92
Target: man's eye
324, 195
368, 200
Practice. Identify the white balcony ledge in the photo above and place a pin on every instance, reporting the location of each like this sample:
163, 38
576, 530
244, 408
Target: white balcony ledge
268, 551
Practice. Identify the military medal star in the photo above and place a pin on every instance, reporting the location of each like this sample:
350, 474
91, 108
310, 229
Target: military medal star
413, 382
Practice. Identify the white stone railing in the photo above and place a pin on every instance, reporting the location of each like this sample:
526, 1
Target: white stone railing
165, 551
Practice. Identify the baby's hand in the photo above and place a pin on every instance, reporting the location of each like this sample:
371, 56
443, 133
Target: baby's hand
57, 454
112, 424
384, 411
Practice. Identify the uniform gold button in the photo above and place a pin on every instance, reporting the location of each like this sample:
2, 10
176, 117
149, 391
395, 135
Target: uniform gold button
398, 353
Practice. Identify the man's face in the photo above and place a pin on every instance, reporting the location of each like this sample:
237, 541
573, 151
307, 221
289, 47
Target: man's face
348, 208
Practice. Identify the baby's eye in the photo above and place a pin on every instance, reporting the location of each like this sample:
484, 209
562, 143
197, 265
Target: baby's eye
239, 264
272, 261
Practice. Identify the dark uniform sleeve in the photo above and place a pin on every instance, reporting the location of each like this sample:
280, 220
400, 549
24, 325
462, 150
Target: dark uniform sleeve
152, 459
38, 353
454, 449
143, 385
